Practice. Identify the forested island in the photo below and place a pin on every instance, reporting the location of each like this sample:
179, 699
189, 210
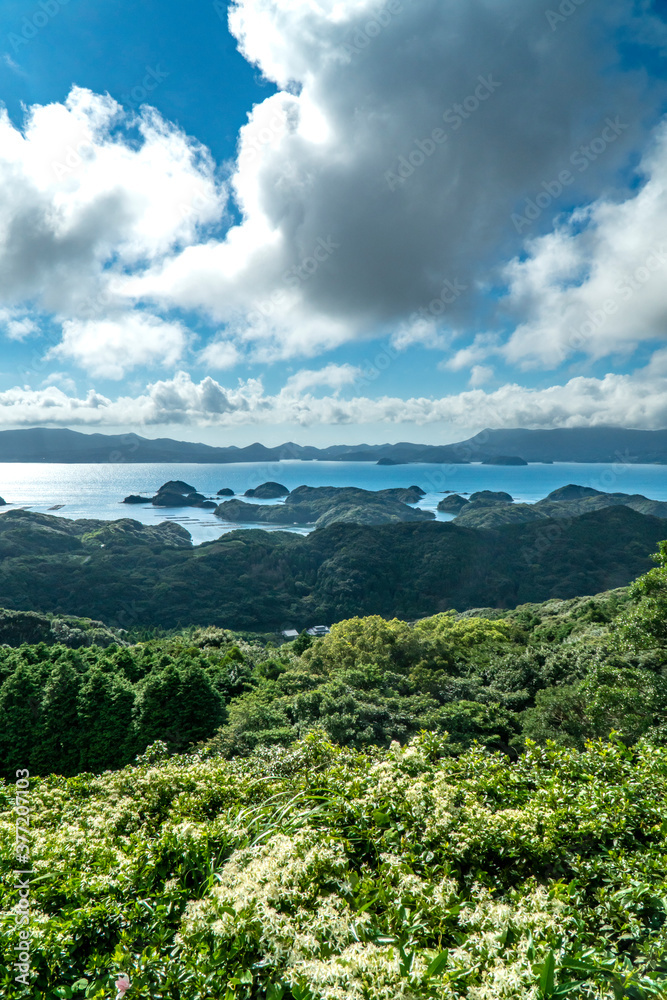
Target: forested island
128, 573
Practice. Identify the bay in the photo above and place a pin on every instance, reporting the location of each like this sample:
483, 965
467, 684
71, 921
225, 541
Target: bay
97, 491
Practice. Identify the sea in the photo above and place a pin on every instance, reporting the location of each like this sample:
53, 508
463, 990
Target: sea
97, 491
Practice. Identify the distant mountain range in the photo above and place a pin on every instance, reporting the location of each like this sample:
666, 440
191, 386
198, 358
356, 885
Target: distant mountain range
577, 444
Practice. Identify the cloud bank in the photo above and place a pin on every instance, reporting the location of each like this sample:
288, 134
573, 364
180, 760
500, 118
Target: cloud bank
638, 400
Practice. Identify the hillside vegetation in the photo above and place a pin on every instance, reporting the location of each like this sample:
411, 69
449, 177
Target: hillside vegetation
568, 501
469, 807
563, 670
321, 873
128, 574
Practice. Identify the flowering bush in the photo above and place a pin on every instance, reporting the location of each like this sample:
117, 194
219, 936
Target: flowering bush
321, 873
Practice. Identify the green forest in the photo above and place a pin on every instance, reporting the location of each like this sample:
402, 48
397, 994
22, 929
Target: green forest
464, 805
131, 575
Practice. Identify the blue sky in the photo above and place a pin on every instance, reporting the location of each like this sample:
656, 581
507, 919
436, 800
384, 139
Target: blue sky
351, 221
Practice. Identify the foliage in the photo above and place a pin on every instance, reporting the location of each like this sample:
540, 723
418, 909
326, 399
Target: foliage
90, 709
645, 624
273, 862
17, 627
562, 670
136, 576
324, 873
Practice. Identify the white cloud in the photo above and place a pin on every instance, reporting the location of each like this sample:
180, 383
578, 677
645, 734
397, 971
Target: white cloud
638, 400
220, 354
11, 64
17, 324
62, 380
484, 345
422, 330
314, 161
84, 196
598, 283
332, 377
480, 375
109, 348
375, 193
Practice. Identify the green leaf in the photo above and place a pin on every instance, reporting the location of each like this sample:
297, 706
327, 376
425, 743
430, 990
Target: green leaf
577, 966
301, 993
566, 988
508, 936
438, 964
547, 976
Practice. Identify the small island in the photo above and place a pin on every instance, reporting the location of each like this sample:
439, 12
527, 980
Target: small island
267, 491
504, 460
175, 493
452, 504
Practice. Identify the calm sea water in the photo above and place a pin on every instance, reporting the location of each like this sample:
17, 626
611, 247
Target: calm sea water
97, 491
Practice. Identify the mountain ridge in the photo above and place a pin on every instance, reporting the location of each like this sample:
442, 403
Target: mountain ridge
611, 445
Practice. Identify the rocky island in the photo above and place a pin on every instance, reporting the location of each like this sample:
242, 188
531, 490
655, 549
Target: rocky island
505, 460
493, 510
324, 505
268, 491
175, 493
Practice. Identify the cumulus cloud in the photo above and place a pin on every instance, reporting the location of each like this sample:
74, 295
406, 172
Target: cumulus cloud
598, 283
86, 192
482, 346
636, 400
480, 375
62, 380
220, 354
109, 348
390, 162
332, 377
17, 324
